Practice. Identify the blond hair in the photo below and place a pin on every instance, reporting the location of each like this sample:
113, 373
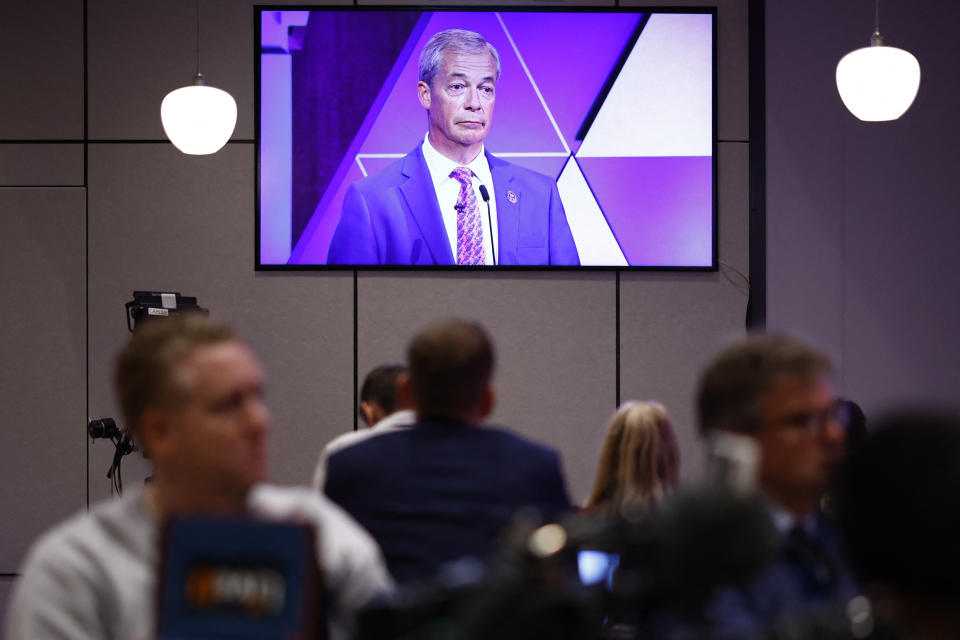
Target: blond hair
640, 462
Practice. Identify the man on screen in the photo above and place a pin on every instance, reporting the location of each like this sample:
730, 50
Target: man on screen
431, 207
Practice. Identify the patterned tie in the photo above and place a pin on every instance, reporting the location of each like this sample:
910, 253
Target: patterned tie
469, 229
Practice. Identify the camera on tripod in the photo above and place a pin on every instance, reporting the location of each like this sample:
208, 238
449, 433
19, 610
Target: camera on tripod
145, 306
122, 439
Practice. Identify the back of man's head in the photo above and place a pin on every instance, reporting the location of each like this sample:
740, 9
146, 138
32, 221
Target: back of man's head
145, 373
899, 512
378, 393
733, 385
451, 365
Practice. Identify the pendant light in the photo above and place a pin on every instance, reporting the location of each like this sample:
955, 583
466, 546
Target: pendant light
878, 83
198, 119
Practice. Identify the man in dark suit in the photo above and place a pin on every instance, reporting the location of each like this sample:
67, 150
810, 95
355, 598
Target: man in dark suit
445, 488
774, 394
428, 207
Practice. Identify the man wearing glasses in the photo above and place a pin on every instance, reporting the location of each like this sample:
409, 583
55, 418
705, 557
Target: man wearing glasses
775, 392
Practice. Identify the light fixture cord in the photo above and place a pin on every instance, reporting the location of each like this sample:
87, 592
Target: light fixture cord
198, 37
876, 40
198, 78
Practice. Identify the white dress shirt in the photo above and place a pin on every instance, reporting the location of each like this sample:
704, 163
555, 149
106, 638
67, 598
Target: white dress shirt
448, 190
393, 422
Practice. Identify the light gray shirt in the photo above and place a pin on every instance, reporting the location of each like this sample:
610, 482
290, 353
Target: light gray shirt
93, 577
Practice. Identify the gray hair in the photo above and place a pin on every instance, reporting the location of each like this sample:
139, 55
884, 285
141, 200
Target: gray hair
457, 41
733, 386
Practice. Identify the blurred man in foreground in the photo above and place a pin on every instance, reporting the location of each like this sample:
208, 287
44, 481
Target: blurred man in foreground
898, 510
775, 392
444, 489
193, 393
381, 410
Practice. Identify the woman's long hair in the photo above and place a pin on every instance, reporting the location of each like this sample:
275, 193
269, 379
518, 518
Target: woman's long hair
640, 462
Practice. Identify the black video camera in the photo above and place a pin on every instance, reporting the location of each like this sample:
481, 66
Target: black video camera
147, 305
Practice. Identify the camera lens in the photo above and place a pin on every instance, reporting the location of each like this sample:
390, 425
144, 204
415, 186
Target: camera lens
103, 428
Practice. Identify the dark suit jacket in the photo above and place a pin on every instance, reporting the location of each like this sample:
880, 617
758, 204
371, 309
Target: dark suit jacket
392, 217
805, 579
443, 490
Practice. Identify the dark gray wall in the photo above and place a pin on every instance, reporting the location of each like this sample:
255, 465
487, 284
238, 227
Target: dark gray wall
862, 217
95, 203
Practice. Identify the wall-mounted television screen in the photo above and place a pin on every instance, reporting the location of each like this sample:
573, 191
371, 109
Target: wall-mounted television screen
379, 146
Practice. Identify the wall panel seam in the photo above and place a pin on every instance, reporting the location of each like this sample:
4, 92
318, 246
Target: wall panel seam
617, 340
43, 186
86, 245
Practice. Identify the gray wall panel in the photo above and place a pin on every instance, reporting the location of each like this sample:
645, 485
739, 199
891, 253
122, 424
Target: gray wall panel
672, 324
141, 51
41, 63
6, 590
554, 336
161, 220
805, 198
901, 310
31, 165
42, 348
733, 213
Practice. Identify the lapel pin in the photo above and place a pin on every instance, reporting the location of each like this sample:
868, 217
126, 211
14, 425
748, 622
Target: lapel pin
512, 197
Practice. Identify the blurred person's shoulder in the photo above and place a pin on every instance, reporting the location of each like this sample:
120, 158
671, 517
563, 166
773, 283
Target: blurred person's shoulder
395, 422
109, 526
350, 558
90, 575
514, 441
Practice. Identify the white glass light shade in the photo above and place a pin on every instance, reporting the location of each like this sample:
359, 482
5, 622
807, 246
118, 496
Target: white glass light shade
878, 83
198, 119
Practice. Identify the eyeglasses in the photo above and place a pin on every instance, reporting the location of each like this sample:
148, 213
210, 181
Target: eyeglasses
815, 422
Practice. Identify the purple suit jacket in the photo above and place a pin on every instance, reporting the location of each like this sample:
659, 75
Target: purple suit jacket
392, 217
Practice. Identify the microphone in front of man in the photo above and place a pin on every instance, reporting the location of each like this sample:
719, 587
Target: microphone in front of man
486, 198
